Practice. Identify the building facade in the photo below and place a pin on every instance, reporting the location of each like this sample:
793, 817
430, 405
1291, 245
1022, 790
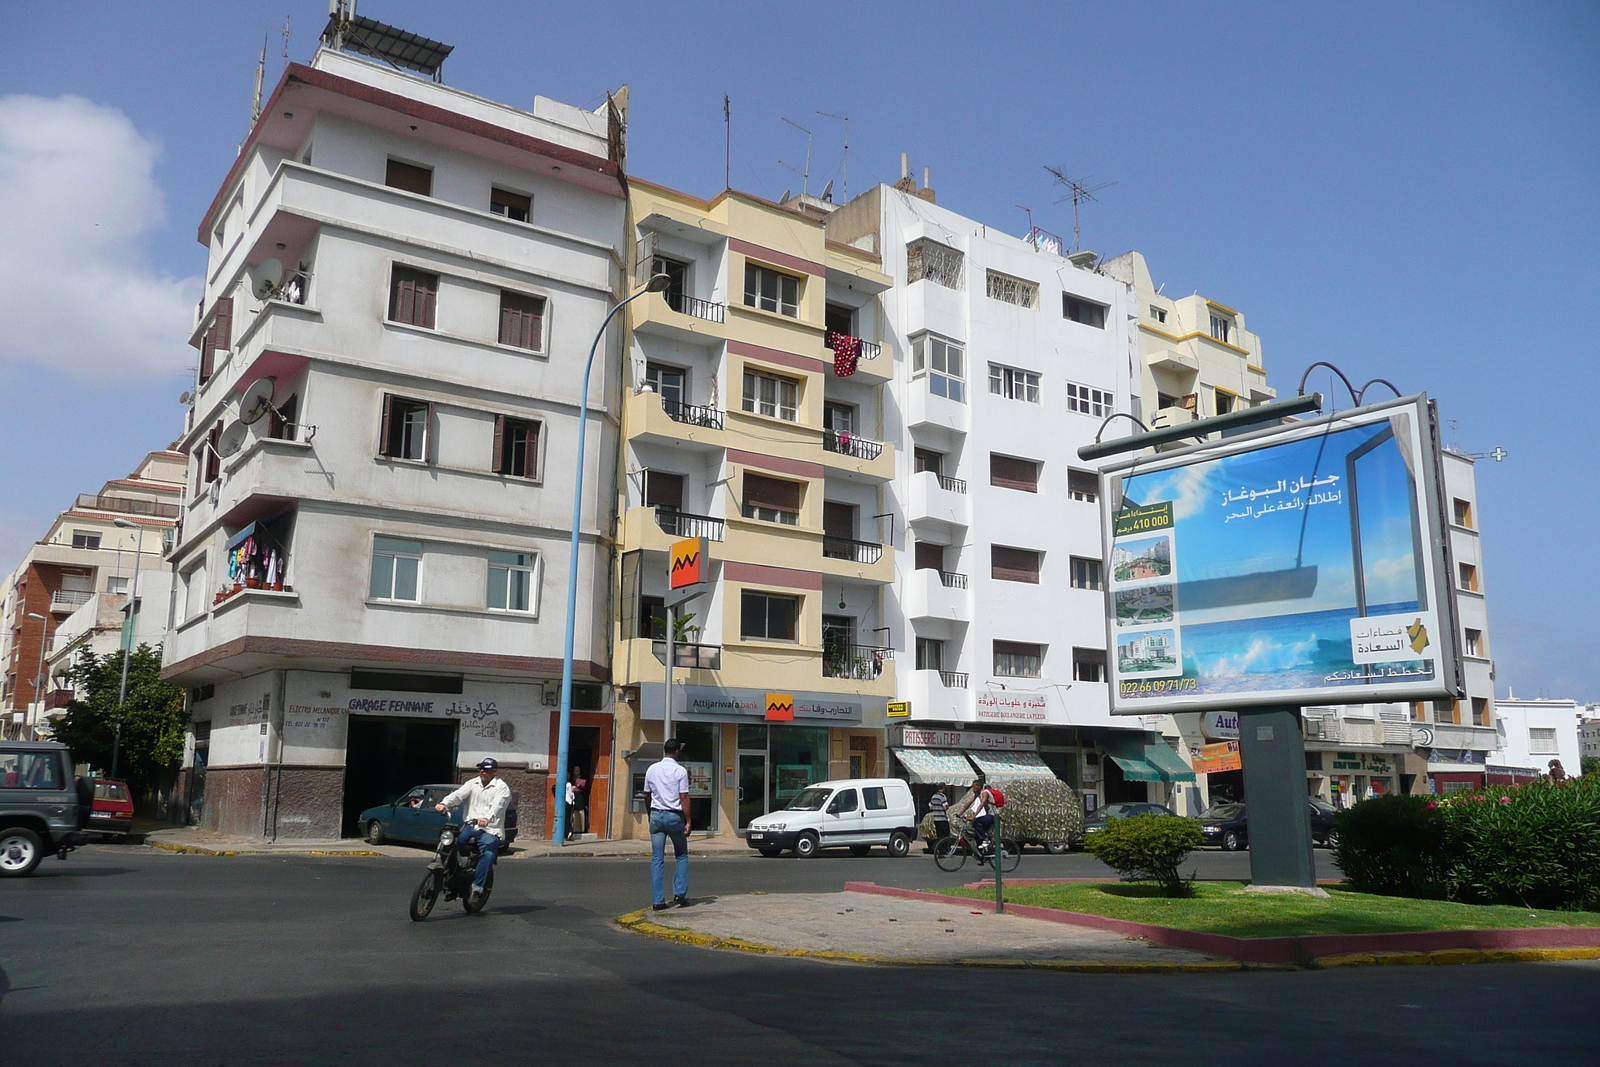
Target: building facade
1533, 733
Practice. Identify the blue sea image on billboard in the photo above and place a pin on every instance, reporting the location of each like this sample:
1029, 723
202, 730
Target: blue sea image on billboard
1266, 553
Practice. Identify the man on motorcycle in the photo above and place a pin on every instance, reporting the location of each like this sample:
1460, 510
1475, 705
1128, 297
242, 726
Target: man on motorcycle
487, 798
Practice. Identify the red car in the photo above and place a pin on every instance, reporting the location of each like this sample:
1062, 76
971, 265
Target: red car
112, 812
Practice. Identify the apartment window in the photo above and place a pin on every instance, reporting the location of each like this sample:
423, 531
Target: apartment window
85, 539
677, 273
282, 422
522, 321
669, 384
1014, 384
1086, 573
1159, 314
1083, 485
410, 177
937, 263
1016, 659
1469, 577
930, 654
1225, 401
413, 295
213, 462
510, 580
516, 447
116, 585
396, 565
1474, 642
1447, 710
405, 428
926, 459
1419, 711
771, 291
1009, 290
218, 337
770, 395
943, 362
514, 206
1221, 328
1088, 312
1088, 665
1014, 564
1087, 400
663, 489
1008, 472
653, 618
840, 418
1463, 511
839, 318
771, 499
194, 590
767, 616
1480, 711
1541, 739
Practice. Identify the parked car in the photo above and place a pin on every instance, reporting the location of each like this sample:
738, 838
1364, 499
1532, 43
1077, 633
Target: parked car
1226, 825
1096, 821
856, 813
112, 809
43, 808
411, 818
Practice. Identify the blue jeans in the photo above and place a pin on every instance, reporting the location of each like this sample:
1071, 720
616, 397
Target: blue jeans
665, 824
981, 827
488, 849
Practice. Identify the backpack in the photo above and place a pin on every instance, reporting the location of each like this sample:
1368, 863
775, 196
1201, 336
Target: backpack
998, 797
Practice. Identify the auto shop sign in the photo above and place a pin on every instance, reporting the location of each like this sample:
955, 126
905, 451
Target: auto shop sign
1220, 725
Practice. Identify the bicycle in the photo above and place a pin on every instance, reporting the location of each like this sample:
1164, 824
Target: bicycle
951, 852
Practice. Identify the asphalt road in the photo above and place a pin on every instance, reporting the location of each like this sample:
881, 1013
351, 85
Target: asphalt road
128, 956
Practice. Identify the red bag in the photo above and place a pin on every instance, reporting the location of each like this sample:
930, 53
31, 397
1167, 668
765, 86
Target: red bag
997, 796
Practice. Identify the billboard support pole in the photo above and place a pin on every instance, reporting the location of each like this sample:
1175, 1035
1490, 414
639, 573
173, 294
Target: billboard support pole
1274, 756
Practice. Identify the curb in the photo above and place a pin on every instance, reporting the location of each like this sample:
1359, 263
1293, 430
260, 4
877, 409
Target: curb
196, 850
1456, 955
637, 922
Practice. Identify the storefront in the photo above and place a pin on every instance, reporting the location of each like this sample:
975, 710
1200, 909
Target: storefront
1342, 777
1456, 770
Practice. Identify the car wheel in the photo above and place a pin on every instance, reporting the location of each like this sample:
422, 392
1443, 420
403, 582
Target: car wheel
374, 832
20, 852
860, 850
1057, 848
806, 845
899, 845
770, 852
1331, 839
1230, 841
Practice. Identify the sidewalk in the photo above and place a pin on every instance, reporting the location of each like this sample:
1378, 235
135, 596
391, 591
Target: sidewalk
205, 842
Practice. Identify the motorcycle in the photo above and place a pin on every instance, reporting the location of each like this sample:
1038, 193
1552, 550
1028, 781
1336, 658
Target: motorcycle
450, 875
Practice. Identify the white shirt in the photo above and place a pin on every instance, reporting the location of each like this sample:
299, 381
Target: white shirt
665, 782
483, 802
978, 809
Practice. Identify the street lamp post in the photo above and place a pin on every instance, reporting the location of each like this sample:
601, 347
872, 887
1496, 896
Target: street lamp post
656, 284
38, 678
127, 638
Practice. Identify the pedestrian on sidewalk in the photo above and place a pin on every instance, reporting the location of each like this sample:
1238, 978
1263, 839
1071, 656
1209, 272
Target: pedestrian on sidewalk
668, 785
939, 808
578, 816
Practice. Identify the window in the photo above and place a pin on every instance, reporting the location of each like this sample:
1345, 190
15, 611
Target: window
872, 796
1225, 401
1014, 564
943, 362
1089, 401
1087, 312
926, 459
669, 383
404, 434
1447, 710
1474, 642
1469, 577
767, 616
770, 395
218, 337
116, 585
839, 318
928, 556
281, 422
663, 489
213, 464
1009, 290
1014, 384
1463, 512
677, 273
771, 291
930, 654
1159, 314
514, 206
653, 618
516, 447
1008, 472
510, 580
195, 592
31, 770
1014, 659
410, 177
771, 499
937, 263
85, 539
840, 418
1419, 711
1086, 573
1221, 327
522, 321
412, 296
1088, 665
395, 567
1083, 485
1541, 739
844, 800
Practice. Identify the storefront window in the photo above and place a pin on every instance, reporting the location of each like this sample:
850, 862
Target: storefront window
776, 763
699, 758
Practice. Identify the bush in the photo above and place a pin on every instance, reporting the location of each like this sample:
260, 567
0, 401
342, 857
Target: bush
1395, 845
1537, 845
1147, 848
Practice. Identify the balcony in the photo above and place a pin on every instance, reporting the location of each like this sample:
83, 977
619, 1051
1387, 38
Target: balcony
126, 505
859, 662
696, 308
936, 595
857, 459
69, 599
938, 502
696, 657
940, 696
850, 549
693, 414
1173, 361
680, 317
849, 444
865, 350
692, 426
682, 524
952, 679
928, 411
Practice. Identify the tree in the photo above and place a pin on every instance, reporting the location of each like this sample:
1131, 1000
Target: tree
1148, 847
153, 720
1591, 765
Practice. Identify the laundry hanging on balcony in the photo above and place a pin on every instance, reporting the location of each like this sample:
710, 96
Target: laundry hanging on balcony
846, 353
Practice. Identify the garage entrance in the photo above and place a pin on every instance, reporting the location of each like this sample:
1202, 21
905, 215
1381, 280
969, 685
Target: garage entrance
386, 757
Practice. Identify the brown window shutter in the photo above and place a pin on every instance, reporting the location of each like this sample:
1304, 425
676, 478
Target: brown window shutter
521, 320
430, 445
530, 459
498, 464
1011, 473
224, 322
385, 445
1014, 564
213, 460
403, 295
427, 294
208, 353
771, 493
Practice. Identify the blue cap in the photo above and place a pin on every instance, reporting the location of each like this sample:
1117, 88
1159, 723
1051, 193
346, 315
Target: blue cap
489, 763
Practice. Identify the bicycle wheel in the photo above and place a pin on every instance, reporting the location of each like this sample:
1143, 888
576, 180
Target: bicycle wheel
950, 853
1010, 855
425, 896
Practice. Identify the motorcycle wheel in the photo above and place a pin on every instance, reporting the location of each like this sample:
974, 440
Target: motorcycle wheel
475, 906
425, 896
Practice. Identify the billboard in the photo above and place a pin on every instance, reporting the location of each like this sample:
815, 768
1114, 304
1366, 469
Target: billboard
1305, 564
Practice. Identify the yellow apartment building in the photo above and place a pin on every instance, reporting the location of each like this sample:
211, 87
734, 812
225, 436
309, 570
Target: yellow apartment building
753, 417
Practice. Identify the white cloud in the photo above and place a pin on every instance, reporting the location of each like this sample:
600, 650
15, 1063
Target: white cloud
77, 198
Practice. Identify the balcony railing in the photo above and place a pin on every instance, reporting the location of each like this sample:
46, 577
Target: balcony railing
862, 662
682, 524
952, 679
952, 485
865, 349
700, 657
694, 307
851, 549
848, 444
953, 580
127, 505
69, 599
692, 414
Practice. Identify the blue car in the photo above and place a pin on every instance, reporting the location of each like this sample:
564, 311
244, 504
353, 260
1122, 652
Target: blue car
411, 818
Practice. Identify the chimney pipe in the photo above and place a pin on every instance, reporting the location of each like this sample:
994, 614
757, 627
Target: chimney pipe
905, 165
926, 192
906, 184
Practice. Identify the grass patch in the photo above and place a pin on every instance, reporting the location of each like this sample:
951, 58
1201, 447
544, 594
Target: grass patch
1225, 908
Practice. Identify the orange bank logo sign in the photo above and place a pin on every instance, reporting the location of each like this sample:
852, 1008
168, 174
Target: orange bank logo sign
688, 563
780, 707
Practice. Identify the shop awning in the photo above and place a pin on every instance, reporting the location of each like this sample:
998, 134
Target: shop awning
1010, 764
1146, 758
934, 766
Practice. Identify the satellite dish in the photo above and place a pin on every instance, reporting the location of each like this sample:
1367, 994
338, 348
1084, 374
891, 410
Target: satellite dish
185, 396
265, 277
257, 400
232, 439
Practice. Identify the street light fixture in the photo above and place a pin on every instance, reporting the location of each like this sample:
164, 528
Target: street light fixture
657, 284
38, 678
127, 636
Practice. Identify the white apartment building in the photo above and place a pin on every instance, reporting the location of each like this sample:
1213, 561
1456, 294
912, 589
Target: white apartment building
371, 579
1532, 733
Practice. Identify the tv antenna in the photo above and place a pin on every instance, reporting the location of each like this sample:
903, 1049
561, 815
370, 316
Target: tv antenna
805, 175
1079, 191
845, 182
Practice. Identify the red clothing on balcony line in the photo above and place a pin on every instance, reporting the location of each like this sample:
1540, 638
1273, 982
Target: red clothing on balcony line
846, 353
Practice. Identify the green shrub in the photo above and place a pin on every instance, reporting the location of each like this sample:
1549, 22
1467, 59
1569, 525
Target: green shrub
1537, 845
1395, 845
1147, 847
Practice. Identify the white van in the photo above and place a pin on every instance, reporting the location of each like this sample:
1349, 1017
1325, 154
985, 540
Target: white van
856, 814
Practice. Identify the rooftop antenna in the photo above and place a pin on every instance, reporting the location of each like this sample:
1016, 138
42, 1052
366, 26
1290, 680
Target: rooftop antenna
727, 143
284, 33
845, 183
1079, 191
261, 73
1028, 211
805, 175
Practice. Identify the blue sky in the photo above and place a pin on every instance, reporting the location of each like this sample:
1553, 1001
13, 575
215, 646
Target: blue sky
1404, 190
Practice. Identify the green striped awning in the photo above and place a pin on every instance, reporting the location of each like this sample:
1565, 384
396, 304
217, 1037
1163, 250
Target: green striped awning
1145, 757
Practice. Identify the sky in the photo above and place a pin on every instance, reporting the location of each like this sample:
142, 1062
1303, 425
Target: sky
1408, 191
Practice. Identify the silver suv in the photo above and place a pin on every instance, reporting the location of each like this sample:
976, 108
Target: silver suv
42, 807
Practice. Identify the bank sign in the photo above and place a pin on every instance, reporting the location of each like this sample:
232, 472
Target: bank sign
711, 703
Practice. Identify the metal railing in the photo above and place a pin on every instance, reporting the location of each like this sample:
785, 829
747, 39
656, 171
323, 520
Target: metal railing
861, 662
69, 599
851, 549
694, 307
952, 485
952, 679
127, 505
848, 444
952, 580
693, 414
700, 657
682, 524
865, 349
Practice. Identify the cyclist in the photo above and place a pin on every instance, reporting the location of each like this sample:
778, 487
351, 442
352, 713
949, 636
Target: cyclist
980, 811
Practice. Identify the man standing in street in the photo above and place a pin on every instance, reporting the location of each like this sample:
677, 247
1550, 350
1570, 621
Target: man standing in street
668, 785
939, 808
487, 798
